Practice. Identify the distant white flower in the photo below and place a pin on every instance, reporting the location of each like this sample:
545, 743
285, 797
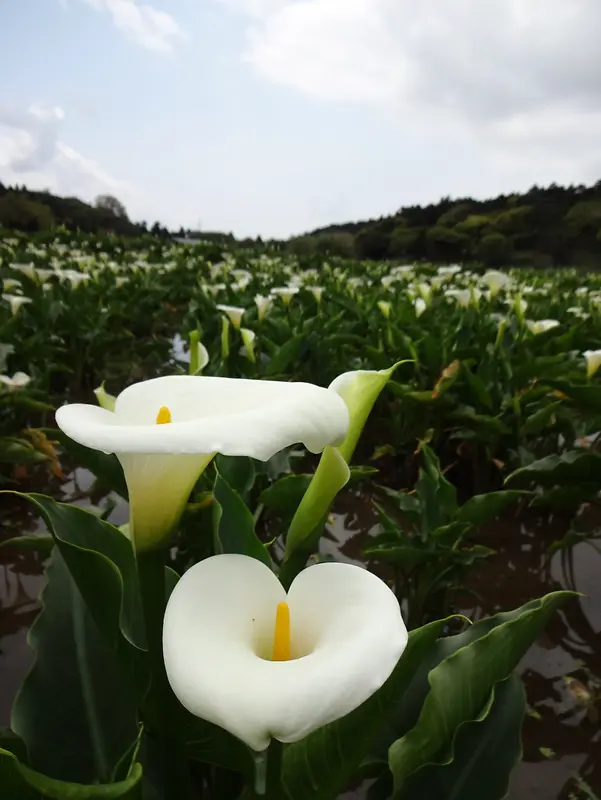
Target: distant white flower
577, 311
582, 291
18, 381
462, 297
496, 281
234, 313
16, 301
405, 272
26, 269
285, 292
10, 283
449, 271
420, 306
593, 361
388, 280
263, 304
248, 337
317, 292
541, 325
385, 307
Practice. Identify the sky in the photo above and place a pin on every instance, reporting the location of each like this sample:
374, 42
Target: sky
274, 117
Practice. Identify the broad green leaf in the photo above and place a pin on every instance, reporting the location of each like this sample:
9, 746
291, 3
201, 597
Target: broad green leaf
478, 387
74, 711
403, 556
20, 782
484, 507
104, 466
39, 542
234, 525
287, 355
573, 467
285, 494
321, 765
238, 472
536, 422
102, 562
209, 744
485, 751
461, 685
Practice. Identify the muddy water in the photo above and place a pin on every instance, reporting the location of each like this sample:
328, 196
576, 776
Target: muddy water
561, 738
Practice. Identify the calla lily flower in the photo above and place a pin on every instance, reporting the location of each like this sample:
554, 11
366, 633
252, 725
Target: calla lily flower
165, 432
16, 301
420, 306
317, 292
385, 307
10, 283
541, 325
285, 292
262, 663
248, 338
263, 305
593, 361
496, 281
233, 313
18, 381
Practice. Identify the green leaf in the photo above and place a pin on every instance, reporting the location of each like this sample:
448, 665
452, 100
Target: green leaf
320, 766
19, 451
536, 422
39, 542
284, 495
461, 685
234, 525
104, 466
210, 744
285, 357
484, 507
404, 556
103, 565
19, 782
573, 467
74, 711
478, 387
238, 472
485, 751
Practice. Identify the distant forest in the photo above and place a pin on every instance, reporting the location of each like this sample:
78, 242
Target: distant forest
545, 227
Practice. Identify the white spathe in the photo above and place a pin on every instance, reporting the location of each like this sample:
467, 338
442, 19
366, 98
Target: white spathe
541, 325
496, 281
208, 415
593, 361
347, 635
18, 381
234, 314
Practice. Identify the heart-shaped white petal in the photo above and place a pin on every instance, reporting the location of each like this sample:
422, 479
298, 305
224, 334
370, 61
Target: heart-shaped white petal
347, 635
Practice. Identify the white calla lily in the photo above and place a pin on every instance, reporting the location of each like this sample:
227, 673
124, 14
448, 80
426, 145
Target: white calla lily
593, 361
286, 293
203, 416
16, 301
420, 306
541, 325
263, 305
385, 307
18, 381
317, 292
233, 313
496, 281
262, 663
248, 338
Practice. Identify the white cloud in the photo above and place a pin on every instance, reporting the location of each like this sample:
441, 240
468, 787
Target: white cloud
146, 25
516, 75
32, 153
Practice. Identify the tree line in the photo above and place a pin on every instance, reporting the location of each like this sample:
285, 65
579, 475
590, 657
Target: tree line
543, 227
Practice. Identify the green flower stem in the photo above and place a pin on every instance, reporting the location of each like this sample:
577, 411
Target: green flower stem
275, 753
164, 709
268, 774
